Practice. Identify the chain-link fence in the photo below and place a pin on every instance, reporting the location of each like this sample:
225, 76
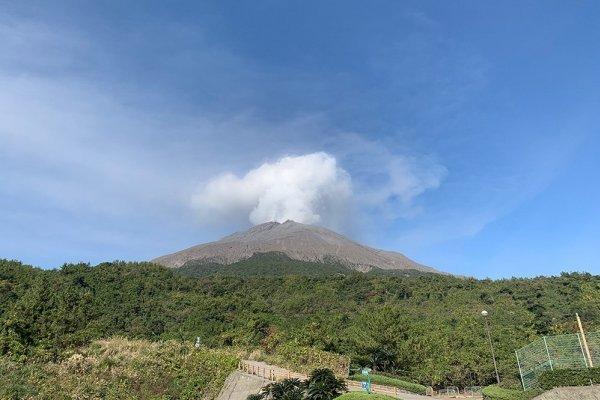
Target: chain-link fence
593, 340
556, 352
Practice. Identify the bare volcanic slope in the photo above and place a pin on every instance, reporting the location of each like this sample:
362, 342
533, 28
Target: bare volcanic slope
298, 241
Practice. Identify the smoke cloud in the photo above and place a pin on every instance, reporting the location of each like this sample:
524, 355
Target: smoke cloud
310, 188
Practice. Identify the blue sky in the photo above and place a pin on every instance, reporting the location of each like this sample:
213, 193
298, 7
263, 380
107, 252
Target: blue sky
465, 134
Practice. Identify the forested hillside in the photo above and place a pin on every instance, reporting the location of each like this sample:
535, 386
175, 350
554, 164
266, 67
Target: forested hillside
427, 327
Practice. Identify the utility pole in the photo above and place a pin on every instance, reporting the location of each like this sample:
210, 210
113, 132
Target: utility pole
484, 313
584, 340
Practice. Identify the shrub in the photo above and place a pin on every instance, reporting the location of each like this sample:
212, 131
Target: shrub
395, 382
305, 359
497, 393
287, 389
569, 377
121, 369
364, 396
322, 384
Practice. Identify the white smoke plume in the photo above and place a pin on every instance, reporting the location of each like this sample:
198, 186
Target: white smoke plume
309, 188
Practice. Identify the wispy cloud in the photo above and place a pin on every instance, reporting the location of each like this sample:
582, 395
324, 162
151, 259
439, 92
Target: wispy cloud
388, 175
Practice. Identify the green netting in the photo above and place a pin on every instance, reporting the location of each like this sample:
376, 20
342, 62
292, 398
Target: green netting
566, 351
555, 352
593, 340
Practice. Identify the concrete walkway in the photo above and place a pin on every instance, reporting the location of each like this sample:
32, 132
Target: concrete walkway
239, 385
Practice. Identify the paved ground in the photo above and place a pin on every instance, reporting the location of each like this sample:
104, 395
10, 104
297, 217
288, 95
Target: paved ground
239, 385
572, 393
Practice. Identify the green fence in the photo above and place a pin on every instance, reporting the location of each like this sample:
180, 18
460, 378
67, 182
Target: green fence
556, 352
594, 345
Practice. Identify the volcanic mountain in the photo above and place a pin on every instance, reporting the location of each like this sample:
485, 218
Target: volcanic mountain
298, 242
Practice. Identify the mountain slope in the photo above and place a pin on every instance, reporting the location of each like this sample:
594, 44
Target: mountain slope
297, 241
276, 264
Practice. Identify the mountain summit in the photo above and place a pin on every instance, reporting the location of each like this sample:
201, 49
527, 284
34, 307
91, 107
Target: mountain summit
298, 241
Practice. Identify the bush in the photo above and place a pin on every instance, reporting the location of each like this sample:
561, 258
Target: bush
305, 359
569, 377
497, 393
395, 382
121, 369
364, 396
322, 384
287, 389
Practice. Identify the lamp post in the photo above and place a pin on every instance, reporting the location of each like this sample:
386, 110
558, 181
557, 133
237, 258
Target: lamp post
484, 313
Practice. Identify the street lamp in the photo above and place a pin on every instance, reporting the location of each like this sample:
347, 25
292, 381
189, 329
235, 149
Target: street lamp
484, 313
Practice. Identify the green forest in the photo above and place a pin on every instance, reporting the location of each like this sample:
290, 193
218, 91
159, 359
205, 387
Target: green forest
426, 328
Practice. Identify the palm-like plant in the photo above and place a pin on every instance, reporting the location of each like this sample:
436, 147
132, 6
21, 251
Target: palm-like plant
322, 384
287, 389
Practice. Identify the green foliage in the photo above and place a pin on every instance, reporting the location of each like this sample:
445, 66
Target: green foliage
364, 396
287, 389
322, 384
305, 359
498, 393
569, 377
121, 369
255, 396
426, 328
395, 382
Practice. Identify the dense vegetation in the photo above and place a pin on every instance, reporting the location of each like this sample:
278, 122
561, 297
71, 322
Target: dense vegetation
494, 392
365, 396
120, 369
427, 327
569, 377
302, 359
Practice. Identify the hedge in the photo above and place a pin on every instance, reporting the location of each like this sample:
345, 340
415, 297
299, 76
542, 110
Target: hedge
395, 382
497, 393
569, 377
364, 396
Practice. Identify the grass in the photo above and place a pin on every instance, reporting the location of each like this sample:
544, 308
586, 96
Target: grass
364, 396
121, 369
497, 393
395, 382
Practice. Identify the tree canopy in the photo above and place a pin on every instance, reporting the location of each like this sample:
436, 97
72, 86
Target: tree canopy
426, 328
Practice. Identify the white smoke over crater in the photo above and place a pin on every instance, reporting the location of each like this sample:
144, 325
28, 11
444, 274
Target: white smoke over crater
309, 188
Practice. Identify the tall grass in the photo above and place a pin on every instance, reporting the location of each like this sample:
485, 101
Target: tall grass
121, 369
